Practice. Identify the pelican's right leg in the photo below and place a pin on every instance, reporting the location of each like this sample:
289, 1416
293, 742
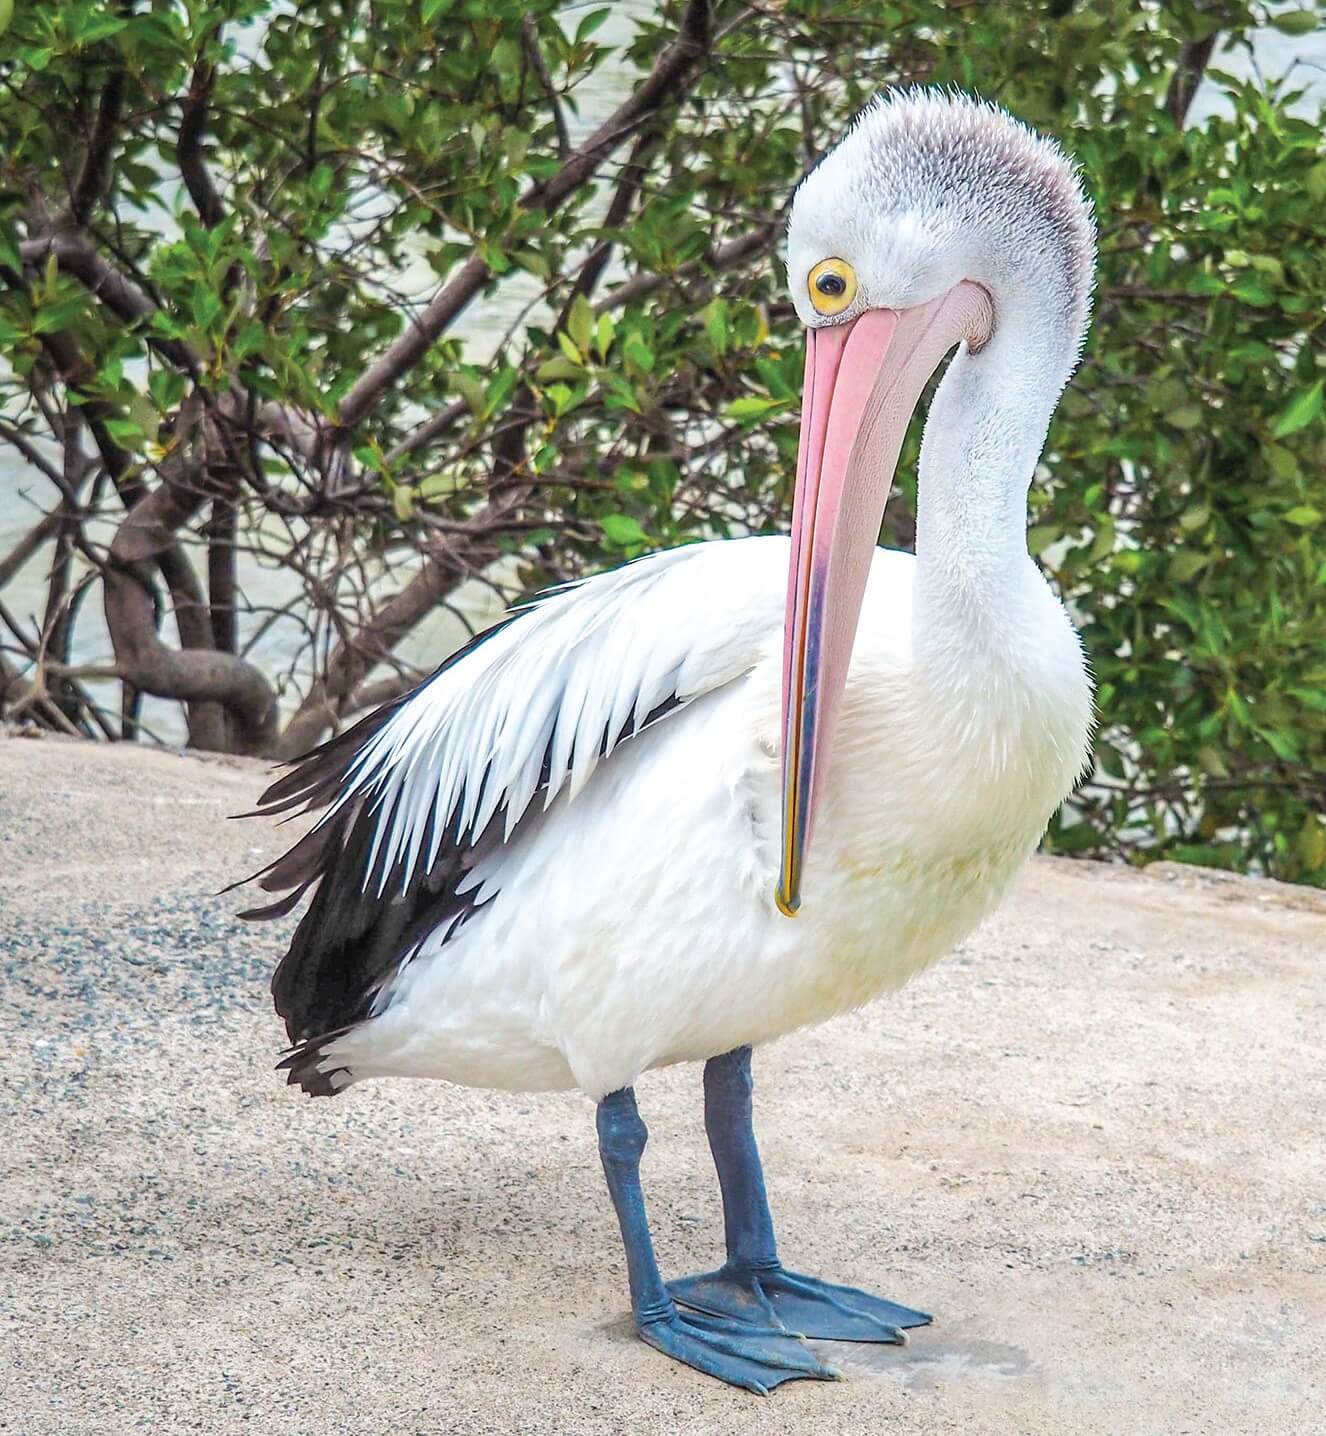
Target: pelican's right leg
755, 1357
753, 1285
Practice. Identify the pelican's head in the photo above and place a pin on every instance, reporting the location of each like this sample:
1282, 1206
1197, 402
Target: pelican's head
937, 220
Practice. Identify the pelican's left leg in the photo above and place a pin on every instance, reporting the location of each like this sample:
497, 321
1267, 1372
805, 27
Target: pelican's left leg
756, 1357
753, 1285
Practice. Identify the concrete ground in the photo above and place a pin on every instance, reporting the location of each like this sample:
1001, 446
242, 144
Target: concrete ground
1093, 1142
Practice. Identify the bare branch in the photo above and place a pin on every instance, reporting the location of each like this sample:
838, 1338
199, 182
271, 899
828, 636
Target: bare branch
591, 271
30, 452
28, 545
198, 675
222, 590
431, 429
18, 695
189, 148
372, 642
670, 70
374, 695
410, 346
529, 36
1193, 60
191, 674
94, 176
469, 547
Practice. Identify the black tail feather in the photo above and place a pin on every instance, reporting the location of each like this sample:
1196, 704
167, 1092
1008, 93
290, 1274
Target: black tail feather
300, 1066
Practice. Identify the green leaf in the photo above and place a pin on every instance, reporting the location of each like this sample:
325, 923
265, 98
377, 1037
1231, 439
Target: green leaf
580, 324
1296, 22
638, 353
559, 367
51, 318
1187, 565
206, 306
469, 389
166, 387
431, 9
591, 22
1303, 516
753, 406
1281, 744
402, 501
1311, 843
1282, 462
714, 315
1212, 761
9, 255
1270, 266
250, 340
500, 389
98, 27
1250, 292
1301, 411
433, 486
533, 261
604, 333
126, 433
623, 530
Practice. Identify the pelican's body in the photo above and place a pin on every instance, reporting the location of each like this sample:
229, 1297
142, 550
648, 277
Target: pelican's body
691, 805
945, 776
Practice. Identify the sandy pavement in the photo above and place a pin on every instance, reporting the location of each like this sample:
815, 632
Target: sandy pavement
1093, 1142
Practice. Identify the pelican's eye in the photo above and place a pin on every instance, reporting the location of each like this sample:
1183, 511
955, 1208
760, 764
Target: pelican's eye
832, 285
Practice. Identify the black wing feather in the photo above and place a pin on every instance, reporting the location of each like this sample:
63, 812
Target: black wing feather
351, 938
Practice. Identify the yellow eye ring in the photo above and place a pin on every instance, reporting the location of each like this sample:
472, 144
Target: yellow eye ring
832, 286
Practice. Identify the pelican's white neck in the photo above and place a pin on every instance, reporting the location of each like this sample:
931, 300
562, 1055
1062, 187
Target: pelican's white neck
983, 438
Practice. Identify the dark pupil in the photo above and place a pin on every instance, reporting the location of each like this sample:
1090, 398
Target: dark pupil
831, 284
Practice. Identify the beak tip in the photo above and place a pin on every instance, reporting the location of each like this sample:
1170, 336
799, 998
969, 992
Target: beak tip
788, 906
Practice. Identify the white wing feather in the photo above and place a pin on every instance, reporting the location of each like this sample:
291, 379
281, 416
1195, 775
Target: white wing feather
549, 695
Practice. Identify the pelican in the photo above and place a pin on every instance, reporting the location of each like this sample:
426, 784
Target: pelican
685, 807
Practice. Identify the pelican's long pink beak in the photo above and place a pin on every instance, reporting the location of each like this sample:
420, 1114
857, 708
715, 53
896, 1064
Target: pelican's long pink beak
863, 380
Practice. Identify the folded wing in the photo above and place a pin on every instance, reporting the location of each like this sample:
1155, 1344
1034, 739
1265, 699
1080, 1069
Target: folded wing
521, 716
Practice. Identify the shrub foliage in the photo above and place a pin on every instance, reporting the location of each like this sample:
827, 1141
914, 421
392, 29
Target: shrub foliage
215, 221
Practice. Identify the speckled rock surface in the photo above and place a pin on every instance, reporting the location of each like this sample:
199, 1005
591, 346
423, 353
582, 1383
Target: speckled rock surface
1093, 1142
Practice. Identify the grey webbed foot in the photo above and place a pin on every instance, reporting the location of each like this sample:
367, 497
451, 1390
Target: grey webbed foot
757, 1358
803, 1305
